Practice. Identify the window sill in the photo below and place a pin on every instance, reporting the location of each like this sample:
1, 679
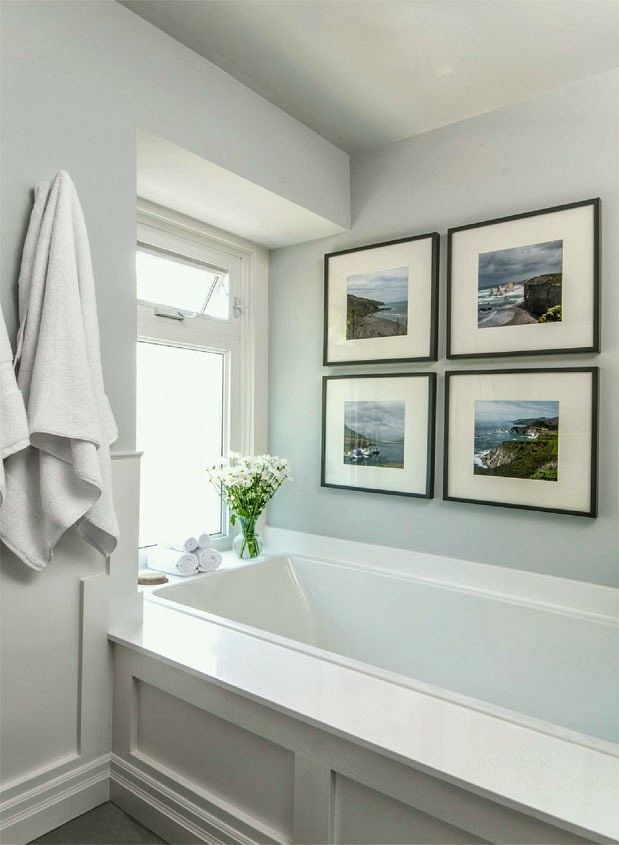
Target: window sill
229, 561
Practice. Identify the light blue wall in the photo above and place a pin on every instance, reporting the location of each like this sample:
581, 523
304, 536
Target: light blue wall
77, 79
547, 151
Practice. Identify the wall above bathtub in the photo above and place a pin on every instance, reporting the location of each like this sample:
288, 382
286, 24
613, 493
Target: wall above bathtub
546, 151
78, 79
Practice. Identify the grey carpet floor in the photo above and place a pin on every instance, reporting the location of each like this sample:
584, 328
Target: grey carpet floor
105, 825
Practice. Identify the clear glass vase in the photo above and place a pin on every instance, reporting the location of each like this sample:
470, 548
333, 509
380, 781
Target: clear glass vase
248, 543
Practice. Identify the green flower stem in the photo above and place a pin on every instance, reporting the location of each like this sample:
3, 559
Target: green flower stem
250, 541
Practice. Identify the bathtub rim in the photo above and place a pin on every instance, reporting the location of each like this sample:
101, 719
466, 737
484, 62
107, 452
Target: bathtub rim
232, 564
527, 586
431, 690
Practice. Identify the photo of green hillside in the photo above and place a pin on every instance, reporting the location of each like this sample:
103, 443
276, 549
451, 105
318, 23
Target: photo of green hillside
517, 439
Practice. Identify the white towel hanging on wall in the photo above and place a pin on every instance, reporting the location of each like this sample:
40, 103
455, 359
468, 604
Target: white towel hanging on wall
65, 476
13, 425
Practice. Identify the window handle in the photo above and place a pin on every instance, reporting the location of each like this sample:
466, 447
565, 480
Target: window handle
237, 308
169, 313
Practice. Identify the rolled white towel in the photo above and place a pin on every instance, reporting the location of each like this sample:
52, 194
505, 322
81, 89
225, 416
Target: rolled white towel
172, 561
204, 540
188, 545
208, 560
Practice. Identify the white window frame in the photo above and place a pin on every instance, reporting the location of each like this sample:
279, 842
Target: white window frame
242, 337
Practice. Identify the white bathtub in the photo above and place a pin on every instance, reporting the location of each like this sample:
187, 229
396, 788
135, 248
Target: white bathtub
544, 665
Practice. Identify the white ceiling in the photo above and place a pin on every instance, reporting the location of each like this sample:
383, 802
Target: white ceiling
178, 179
363, 73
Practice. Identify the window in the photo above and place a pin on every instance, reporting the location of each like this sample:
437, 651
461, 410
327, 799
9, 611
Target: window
180, 418
188, 379
188, 286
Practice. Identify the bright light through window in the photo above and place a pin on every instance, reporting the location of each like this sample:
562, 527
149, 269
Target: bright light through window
180, 431
165, 280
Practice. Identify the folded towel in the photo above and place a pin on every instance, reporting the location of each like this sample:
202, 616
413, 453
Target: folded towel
14, 435
174, 562
188, 545
208, 560
65, 476
204, 540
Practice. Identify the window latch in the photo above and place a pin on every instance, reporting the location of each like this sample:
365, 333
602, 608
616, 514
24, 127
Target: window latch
237, 308
169, 313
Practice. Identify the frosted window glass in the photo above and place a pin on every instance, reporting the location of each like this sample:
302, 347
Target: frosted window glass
166, 281
180, 431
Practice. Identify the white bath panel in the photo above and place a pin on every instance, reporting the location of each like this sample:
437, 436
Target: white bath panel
338, 756
219, 758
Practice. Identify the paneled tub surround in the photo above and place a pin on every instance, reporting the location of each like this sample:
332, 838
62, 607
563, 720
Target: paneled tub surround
363, 687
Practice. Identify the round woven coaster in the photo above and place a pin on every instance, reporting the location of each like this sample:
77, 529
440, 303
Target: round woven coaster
148, 577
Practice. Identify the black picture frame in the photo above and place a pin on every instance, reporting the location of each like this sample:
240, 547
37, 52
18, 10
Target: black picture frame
431, 438
595, 202
592, 512
434, 294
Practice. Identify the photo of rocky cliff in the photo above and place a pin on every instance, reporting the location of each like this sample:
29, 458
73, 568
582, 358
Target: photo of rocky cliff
520, 286
377, 304
517, 439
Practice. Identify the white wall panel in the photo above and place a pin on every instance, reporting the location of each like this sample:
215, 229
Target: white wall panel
57, 671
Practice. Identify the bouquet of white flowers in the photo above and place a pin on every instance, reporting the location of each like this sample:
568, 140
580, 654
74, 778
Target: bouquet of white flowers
246, 484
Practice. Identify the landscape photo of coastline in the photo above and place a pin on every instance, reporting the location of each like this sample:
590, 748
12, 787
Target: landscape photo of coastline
517, 439
520, 285
377, 304
374, 434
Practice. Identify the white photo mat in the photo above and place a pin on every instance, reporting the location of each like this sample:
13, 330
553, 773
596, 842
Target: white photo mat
573, 390
575, 227
417, 256
418, 395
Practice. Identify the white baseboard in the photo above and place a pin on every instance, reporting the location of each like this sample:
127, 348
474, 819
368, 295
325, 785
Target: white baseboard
178, 818
516, 585
52, 797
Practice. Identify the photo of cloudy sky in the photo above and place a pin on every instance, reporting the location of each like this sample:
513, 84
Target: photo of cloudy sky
519, 263
505, 411
380, 421
384, 285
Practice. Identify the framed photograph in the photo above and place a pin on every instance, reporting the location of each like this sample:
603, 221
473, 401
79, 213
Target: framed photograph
526, 284
381, 302
522, 439
378, 433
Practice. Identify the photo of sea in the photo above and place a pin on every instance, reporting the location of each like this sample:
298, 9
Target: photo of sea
517, 439
520, 286
377, 304
374, 433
